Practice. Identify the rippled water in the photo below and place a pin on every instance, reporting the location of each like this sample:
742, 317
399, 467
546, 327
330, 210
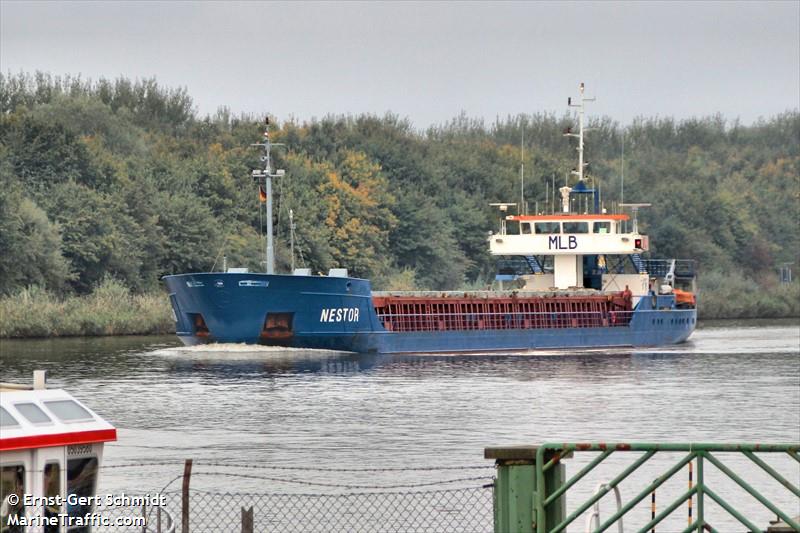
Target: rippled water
729, 383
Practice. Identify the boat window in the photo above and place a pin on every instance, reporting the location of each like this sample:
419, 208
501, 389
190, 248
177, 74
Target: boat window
576, 227
546, 228
6, 420
52, 488
32, 412
525, 227
602, 227
12, 481
81, 478
68, 410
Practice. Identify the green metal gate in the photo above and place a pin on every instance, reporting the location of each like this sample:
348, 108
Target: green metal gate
548, 486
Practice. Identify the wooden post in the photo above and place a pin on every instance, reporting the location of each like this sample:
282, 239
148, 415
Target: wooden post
247, 520
158, 519
144, 515
187, 474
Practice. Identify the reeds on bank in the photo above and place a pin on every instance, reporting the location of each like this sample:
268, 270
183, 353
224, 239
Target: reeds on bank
110, 310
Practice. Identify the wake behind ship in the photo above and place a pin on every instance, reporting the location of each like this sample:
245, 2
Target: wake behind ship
581, 282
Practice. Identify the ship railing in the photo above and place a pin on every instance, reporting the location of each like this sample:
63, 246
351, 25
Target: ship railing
684, 268
522, 266
504, 320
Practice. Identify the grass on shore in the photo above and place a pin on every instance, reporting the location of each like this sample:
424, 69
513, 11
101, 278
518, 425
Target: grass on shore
110, 310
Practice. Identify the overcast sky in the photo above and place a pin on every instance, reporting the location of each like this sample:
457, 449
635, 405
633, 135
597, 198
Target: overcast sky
427, 61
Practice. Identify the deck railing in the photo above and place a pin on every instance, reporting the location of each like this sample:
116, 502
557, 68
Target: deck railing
501, 320
546, 482
684, 268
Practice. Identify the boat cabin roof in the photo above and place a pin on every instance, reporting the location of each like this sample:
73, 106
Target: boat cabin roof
44, 418
567, 216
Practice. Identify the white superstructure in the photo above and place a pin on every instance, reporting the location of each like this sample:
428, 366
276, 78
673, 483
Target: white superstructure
51, 446
569, 236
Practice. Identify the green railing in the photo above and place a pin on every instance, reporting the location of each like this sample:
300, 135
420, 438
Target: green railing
521, 506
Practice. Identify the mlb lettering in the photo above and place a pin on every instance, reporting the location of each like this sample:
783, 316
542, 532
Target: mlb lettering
554, 241
340, 314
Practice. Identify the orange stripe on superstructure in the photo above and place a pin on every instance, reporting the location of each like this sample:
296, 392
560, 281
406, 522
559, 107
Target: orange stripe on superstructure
558, 218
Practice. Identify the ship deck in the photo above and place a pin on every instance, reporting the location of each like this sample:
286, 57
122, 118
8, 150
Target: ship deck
493, 294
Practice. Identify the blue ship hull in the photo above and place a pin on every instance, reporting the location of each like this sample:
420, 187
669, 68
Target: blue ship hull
338, 314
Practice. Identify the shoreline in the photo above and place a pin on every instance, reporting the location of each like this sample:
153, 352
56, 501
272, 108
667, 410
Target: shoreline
702, 323
112, 310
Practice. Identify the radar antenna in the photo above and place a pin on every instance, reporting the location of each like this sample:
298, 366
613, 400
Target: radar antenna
635, 212
503, 207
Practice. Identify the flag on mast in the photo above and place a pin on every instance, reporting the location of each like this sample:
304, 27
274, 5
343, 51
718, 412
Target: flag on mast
262, 194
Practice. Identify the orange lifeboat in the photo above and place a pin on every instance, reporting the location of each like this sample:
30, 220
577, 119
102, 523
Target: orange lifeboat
684, 298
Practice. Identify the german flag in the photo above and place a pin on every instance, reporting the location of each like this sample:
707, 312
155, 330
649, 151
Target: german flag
262, 194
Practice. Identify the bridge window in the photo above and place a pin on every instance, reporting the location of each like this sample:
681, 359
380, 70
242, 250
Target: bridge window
68, 410
32, 412
525, 228
547, 228
602, 227
6, 420
576, 227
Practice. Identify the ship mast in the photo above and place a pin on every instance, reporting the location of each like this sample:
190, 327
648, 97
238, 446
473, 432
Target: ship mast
267, 175
581, 109
566, 190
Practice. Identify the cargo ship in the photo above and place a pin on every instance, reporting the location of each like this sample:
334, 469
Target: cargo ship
578, 280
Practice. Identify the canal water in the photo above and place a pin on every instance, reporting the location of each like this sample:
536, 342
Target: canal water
732, 382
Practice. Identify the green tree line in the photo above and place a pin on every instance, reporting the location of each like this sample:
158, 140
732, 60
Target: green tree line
123, 179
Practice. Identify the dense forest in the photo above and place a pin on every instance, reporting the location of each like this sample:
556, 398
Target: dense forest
123, 180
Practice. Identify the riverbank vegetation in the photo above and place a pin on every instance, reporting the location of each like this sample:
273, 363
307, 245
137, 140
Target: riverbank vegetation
122, 179
110, 309
724, 297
